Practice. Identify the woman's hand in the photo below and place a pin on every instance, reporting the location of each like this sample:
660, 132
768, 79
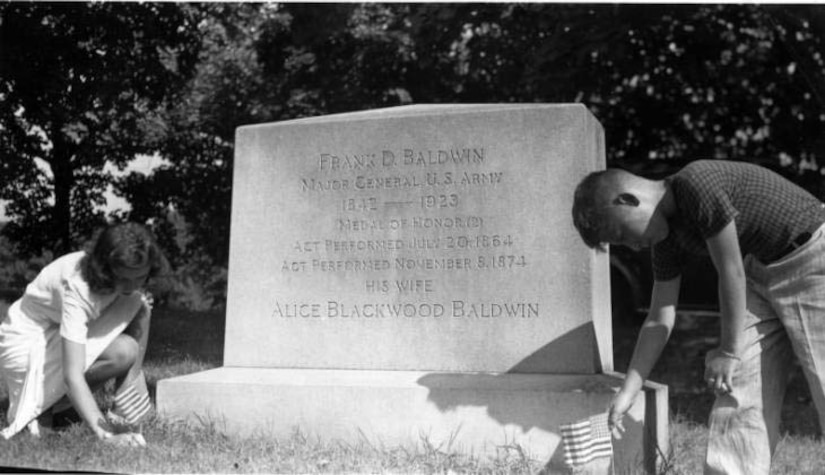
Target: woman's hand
146, 305
126, 439
147, 300
719, 370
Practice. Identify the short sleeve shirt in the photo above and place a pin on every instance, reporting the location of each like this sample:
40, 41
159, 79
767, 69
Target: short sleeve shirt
769, 211
59, 295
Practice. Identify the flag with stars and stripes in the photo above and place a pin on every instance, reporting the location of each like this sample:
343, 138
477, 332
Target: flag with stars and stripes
131, 402
586, 439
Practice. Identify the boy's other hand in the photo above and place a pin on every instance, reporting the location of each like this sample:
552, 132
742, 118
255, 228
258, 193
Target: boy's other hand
719, 371
618, 408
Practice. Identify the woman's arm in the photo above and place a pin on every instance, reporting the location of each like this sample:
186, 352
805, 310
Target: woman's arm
74, 360
83, 400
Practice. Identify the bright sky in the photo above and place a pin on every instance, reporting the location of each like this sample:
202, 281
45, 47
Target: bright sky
142, 163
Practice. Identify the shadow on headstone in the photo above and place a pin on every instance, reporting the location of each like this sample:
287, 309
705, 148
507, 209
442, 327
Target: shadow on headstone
540, 403
560, 352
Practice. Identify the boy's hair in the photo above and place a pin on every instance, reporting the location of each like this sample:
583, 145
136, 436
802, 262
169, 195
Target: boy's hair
128, 245
591, 202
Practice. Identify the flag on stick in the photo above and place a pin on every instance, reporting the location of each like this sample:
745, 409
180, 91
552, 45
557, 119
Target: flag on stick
585, 440
131, 402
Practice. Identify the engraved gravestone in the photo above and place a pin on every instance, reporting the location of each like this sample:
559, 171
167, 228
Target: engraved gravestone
416, 239
419, 258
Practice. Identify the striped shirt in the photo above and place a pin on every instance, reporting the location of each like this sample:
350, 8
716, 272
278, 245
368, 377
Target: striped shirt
770, 212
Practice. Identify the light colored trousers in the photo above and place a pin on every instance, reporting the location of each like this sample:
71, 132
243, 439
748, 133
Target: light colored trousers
785, 319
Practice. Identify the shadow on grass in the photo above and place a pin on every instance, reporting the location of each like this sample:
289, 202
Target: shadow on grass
682, 368
178, 335
183, 342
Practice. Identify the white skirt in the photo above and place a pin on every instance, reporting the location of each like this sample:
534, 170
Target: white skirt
31, 359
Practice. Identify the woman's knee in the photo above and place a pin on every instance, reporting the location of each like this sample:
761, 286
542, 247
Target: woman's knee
122, 352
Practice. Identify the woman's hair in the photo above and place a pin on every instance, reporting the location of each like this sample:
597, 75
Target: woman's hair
128, 245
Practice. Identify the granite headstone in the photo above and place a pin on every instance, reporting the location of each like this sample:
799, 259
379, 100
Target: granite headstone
423, 259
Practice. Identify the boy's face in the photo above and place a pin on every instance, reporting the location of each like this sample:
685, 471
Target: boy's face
636, 227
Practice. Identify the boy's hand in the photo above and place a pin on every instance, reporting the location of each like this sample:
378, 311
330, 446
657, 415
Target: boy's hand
719, 370
618, 408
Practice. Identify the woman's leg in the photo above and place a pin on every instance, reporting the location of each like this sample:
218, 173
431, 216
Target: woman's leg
115, 362
131, 401
138, 330
124, 329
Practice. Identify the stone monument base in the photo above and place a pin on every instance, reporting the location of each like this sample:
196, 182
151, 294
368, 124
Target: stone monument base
482, 414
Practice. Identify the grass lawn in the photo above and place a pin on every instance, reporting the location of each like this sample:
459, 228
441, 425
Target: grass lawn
184, 342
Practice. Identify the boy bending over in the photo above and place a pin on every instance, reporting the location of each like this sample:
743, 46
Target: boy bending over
766, 238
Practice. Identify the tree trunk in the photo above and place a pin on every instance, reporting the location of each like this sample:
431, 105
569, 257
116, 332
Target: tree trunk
62, 212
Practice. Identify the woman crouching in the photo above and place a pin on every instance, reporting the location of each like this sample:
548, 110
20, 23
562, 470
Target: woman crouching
83, 321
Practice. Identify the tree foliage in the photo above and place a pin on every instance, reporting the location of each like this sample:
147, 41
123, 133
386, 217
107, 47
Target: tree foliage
80, 85
669, 83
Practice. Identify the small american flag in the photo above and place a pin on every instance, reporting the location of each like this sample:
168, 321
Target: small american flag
585, 440
131, 402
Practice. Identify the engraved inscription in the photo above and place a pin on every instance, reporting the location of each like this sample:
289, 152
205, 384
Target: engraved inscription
462, 156
402, 223
334, 162
458, 309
